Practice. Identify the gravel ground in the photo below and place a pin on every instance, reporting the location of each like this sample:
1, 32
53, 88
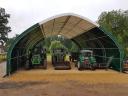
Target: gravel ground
64, 83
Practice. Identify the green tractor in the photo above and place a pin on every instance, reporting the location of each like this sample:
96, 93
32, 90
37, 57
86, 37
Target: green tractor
37, 58
86, 60
58, 59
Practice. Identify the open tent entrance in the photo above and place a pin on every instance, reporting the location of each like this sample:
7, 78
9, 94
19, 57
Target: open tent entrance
44, 48
85, 33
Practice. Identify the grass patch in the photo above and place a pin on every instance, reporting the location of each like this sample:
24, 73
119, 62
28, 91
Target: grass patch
3, 57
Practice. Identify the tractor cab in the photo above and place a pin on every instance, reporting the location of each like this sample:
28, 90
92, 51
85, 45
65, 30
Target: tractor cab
37, 58
86, 60
58, 59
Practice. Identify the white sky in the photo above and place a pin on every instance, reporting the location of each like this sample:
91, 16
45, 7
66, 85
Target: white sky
25, 13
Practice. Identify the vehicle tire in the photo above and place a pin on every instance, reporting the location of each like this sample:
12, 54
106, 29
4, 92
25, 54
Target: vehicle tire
45, 64
93, 68
27, 65
79, 66
53, 61
75, 64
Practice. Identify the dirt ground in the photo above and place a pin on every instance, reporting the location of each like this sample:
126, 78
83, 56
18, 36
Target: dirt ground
39, 82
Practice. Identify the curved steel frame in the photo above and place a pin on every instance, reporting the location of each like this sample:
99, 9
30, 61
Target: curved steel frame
36, 38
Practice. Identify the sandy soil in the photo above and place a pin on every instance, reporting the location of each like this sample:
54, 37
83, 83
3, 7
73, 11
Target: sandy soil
65, 83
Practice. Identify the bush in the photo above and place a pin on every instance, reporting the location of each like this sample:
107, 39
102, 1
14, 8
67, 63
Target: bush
2, 57
57, 44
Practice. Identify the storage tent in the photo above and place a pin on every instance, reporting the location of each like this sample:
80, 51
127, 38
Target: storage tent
82, 31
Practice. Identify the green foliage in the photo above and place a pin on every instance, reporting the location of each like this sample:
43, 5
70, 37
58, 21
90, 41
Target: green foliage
2, 57
67, 43
10, 41
56, 44
74, 48
116, 21
4, 29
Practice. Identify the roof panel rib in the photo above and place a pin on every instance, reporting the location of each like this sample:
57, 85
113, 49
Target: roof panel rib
67, 25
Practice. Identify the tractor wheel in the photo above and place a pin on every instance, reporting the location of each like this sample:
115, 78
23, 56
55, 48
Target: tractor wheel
52, 60
75, 63
93, 68
45, 64
27, 65
79, 66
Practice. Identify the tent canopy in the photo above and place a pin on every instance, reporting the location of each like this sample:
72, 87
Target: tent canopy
82, 31
68, 25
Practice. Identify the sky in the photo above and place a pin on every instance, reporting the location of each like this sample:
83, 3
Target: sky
25, 13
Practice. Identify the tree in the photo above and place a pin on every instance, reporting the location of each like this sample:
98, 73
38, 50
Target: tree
56, 44
116, 21
74, 47
4, 29
10, 41
64, 41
